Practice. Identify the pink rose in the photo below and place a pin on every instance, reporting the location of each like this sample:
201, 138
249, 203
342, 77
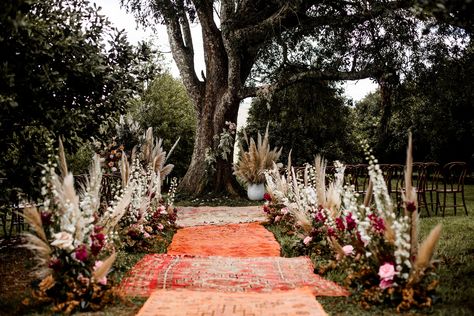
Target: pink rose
348, 250
387, 271
384, 284
277, 218
284, 211
160, 226
307, 240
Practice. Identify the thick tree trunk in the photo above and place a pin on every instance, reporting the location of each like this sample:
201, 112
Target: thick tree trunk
211, 121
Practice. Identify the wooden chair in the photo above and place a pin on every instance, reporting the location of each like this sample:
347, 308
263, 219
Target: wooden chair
453, 176
428, 194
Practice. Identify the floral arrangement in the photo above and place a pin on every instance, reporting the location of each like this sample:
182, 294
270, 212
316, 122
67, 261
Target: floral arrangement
73, 248
252, 164
378, 250
149, 214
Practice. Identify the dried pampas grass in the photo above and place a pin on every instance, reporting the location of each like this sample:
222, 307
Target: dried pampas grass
425, 254
104, 268
252, 164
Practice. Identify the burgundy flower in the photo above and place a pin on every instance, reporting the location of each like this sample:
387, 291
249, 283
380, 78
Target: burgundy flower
132, 234
46, 218
267, 197
378, 223
351, 224
320, 217
340, 224
266, 209
55, 264
331, 232
81, 253
98, 242
411, 206
98, 229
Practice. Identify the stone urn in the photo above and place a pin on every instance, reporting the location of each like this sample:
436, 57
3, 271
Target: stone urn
255, 191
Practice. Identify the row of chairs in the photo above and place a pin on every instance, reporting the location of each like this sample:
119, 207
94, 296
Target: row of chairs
438, 187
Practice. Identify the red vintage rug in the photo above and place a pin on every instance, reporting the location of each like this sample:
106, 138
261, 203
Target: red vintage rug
233, 240
219, 215
225, 274
186, 303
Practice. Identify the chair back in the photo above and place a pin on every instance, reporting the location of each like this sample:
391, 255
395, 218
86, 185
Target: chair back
454, 174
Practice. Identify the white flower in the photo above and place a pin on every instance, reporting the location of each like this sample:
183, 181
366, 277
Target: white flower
63, 240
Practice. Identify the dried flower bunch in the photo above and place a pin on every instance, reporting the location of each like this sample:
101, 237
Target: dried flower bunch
149, 214
378, 250
73, 249
252, 164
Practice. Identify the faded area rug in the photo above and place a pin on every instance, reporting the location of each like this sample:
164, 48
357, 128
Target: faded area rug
234, 240
225, 274
187, 303
219, 215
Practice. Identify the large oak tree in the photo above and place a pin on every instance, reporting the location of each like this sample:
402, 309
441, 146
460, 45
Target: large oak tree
259, 46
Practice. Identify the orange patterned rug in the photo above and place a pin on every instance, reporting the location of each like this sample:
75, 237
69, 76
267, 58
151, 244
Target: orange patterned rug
225, 274
233, 240
219, 215
187, 303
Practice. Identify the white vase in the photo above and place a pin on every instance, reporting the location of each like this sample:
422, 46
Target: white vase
255, 191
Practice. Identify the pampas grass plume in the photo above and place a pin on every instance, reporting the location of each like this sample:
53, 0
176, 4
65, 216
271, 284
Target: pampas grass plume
425, 254
102, 271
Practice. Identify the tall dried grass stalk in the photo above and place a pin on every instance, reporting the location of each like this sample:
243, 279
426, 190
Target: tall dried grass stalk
425, 254
37, 242
337, 247
368, 194
62, 159
410, 198
320, 169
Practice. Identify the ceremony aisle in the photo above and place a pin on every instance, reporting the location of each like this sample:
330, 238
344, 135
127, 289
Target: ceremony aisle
226, 269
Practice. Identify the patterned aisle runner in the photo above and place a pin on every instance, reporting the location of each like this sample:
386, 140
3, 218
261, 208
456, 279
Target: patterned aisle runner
227, 240
231, 269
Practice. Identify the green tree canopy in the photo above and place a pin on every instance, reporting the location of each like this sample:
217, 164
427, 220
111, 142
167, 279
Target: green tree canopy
58, 76
166, 107
308, 118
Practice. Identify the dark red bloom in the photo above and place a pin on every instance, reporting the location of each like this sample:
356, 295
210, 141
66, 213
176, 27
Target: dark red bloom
378, 224
351, 224
46, 218
266, 209
81, 253
98, 242
55, 264
331, 232
411, 206
267, 197
340, 224
320, 217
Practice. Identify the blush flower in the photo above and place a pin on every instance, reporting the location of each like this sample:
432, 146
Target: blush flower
387, 271
63, 240
277, 218
284, 211
348, 250
307, 240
